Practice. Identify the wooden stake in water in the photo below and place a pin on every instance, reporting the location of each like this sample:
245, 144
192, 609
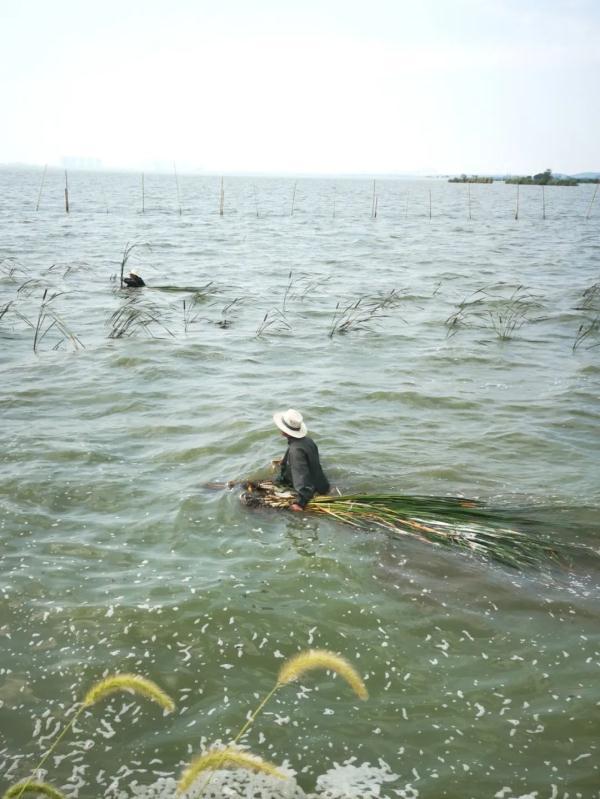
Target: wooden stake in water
143, 195
222, 203
37, 207
255, 199
293, 198
589, 211
543, 203
66, 192
375, 207
517, 206
177, 187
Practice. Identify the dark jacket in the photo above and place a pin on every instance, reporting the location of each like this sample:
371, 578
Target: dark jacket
301, 469
134, 282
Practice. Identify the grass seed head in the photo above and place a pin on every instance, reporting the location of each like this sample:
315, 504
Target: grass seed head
128, 682
311, 659
217, 758
32, 786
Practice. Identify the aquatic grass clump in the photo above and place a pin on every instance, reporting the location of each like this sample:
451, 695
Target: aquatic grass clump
134, 317
501, 308
11, 269
586, 329
590, 299
215, 759
361, 314
128, 682
48, 319
312, 659
274, 321
36, 787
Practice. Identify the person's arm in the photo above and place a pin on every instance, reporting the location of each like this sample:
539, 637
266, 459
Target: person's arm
282, 463
301, 479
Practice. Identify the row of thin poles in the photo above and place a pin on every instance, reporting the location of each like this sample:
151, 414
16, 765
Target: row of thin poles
374, 199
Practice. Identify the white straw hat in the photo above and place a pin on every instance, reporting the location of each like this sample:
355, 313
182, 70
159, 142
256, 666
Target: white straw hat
133, 272
290, 422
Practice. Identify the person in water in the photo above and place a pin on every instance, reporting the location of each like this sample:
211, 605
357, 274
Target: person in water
300, 466
134, 281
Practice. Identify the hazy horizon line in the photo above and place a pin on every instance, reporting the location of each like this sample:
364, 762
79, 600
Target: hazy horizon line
199, 172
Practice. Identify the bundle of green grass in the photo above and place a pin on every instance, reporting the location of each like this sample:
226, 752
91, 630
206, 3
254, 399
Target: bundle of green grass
438, 520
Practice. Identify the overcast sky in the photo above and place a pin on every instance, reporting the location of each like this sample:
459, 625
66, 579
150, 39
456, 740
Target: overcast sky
303, 86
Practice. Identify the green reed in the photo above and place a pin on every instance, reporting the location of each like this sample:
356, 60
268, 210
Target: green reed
501, 308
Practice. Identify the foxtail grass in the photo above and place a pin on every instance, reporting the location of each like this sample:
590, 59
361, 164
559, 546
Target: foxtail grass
133, 683
312, 659
215, 759
33, 786
291, 670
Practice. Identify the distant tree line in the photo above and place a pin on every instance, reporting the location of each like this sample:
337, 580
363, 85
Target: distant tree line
544, 178
471, 179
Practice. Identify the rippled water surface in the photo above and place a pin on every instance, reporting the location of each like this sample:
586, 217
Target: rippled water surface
115, 556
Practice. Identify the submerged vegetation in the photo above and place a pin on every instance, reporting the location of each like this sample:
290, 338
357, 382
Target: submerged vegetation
588, 332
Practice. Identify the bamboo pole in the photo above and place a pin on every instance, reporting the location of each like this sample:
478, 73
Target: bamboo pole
375, 207
589, 211
66, 192
177, 187
543, 203
222, 202
37, 207
255, 199
517, 206
293, 198
143, 195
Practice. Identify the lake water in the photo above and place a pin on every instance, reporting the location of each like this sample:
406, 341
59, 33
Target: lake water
115, 556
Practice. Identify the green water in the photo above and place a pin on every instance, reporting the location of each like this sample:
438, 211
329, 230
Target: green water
115, 557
